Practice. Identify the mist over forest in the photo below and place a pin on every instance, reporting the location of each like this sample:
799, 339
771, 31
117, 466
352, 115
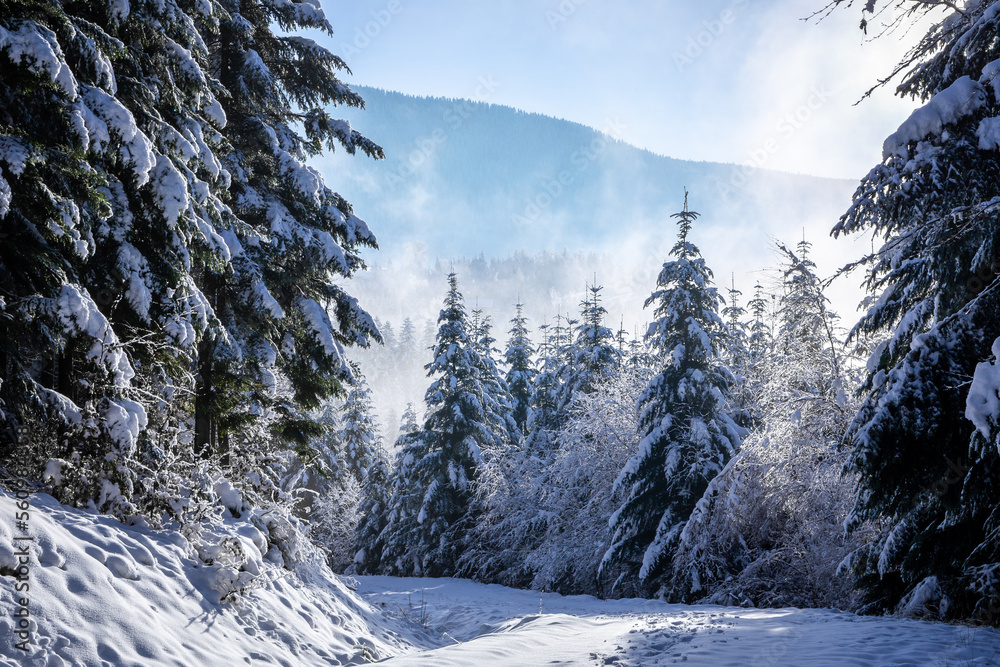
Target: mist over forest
553, 208
468, 178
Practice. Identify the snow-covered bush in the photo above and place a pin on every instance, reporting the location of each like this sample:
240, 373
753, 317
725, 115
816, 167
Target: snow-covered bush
545, 523
768, 530
577, 489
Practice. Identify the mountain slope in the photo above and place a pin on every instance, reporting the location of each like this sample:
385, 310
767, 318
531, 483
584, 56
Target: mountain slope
468, 177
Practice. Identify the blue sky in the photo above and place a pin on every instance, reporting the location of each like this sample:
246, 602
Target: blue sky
740, 81
732, 81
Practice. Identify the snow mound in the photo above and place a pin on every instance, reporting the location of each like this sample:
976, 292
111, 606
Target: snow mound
102, 593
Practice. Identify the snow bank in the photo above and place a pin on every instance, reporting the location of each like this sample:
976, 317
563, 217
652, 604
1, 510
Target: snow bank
104, 593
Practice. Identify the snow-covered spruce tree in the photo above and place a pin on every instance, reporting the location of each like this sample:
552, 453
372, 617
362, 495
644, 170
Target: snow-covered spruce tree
737, 340
736, 354
569, 365
359, 438
376, 494
521, 371
638, 354
512, 522
927, 470
372, 512
409, 422
496, 393
759, 340
66, 146
431, 510
331, 484
154, 179
544, 417
592, 354
408, 358
767, 531
687, 434
328, 485
297, 235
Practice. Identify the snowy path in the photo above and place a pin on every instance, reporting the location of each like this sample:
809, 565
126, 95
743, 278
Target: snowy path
475, 625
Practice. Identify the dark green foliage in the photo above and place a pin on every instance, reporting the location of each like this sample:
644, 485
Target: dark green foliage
924, 474
170, 270
521, 372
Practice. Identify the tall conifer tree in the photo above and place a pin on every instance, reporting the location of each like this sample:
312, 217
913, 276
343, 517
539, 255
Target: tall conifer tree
431, 510
521, 370
163, 239
687, 435
929, 473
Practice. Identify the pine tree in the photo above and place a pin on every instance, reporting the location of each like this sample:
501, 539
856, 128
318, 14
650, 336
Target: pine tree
369, 540
926, 473
687, 435
409, 422
496, 393
408, 357
736, 353
521, 370
767, 531
431, 510
163, 238
736, 335
639, 355
592, 354
359, 439
759, 341
545, 417
388, 335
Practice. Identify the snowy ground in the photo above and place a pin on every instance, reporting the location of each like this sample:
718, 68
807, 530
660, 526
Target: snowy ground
493, 626
106, 594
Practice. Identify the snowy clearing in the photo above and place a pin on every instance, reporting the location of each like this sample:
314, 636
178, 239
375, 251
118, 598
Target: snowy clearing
102, 593
493, 625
